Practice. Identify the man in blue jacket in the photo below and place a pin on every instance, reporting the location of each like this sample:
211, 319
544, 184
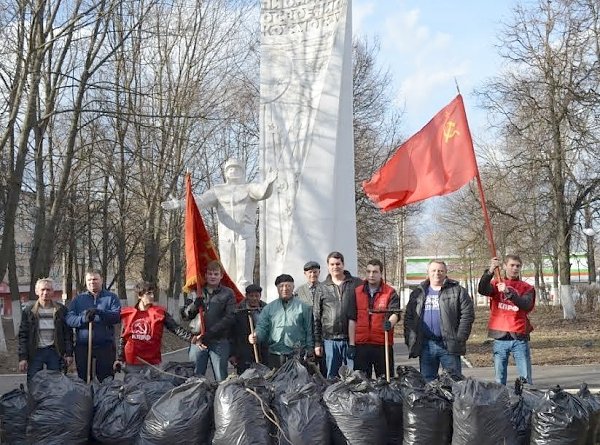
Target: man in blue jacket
103, 309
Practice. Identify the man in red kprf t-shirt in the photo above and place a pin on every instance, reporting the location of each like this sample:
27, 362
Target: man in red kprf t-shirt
511, 300
142, 330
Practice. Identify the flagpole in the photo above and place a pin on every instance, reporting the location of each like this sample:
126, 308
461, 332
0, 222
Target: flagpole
488, 224
486, 216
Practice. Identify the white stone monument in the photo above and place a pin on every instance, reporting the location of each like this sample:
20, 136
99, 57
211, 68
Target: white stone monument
235, 202
306, 135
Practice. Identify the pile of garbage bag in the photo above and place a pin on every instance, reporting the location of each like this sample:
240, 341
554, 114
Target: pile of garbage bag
294, 405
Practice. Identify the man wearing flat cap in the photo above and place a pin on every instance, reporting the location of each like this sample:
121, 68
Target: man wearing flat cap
285, 325
307, 291
242, 354
310, 293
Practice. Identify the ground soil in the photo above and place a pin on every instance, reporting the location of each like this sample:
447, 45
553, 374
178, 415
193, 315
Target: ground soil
554, 341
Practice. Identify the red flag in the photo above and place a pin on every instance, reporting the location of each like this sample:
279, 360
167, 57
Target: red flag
438, 160
199, 248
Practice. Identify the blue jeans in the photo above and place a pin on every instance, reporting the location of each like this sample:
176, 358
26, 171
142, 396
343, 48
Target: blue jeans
44, 356
434, 354
521, 353
335, 357
218, 351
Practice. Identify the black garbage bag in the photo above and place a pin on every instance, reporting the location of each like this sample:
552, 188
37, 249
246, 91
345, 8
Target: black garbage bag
392, 399
181, 416
241, 410
481, 414
448, 377
410, 377
175, 372
13, 417
154, 388
592, 402
119, 412
258, 369
302, 417
61, 409
289, 377
356, 410
427, 416
522, 401
559, 418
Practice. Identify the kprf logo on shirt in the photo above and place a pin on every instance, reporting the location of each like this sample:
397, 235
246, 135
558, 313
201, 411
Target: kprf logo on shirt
140, 330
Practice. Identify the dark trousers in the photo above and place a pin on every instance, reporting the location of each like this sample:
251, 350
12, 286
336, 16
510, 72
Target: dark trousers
369, 357
105, 357
44, 356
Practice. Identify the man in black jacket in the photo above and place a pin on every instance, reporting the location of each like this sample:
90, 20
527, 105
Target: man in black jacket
438, 320
44, 337
242, 352
331, 315
216, 319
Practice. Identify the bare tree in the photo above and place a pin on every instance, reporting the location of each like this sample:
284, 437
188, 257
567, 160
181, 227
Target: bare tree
545, 101
376, 137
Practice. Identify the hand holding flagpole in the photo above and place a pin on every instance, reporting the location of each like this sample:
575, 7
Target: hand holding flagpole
254, 346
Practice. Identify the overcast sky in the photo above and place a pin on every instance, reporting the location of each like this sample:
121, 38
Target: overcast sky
427, 44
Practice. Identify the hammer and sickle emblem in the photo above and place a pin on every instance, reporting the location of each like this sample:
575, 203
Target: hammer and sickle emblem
450, 130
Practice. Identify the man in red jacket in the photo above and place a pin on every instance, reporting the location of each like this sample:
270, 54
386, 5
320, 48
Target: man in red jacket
375, 310
511, 300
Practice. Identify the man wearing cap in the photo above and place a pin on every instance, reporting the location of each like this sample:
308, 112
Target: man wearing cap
242, 354
285, 325
310, 294
307, 291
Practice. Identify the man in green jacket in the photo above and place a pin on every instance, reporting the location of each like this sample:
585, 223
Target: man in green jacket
285, 325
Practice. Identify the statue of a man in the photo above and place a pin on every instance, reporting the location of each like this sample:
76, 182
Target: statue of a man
236, 202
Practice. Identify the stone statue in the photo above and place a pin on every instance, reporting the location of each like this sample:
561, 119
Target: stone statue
235, 202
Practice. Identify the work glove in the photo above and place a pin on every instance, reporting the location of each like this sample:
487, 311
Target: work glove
387, 325
351, 352
90, 315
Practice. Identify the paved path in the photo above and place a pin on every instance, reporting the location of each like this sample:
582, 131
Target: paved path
568, 377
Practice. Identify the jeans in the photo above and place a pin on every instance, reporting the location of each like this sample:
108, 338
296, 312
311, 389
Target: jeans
434, 354
218, 352
335, 357
521, 353
44, 356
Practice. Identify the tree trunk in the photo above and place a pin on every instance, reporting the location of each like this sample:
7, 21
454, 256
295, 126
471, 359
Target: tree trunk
13, 283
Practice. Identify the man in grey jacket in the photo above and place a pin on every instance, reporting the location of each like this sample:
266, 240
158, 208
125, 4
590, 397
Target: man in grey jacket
438, 320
